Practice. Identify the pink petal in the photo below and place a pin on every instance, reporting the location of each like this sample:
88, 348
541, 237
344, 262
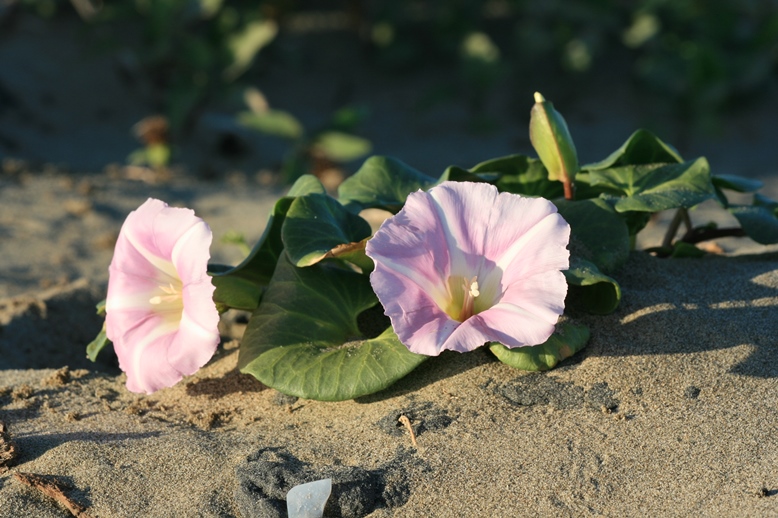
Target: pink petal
463, 213
412, 245
190, 253
510, 218
142, 354
423, 329
147, 234
541, 248
513, 246
160, 246
198, 334
542, 296
468, 336
512, 326
157, 228
481, 225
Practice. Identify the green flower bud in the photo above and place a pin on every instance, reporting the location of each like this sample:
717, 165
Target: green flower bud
553, 143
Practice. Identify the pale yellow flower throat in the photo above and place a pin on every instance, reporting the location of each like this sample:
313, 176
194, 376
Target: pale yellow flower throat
470, 290
172, 300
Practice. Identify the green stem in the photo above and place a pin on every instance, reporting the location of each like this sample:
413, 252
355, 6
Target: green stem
673, 228
687, 221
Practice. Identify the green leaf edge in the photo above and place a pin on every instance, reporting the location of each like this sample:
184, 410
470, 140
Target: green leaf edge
564, 343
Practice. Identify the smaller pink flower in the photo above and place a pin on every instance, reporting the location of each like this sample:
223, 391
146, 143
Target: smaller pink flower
462, 265
160, 313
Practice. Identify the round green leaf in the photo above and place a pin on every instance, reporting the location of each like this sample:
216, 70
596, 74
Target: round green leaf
736, 183
382, 182
457, 174
760, 200
521, 175
240, 287
655, 187
303, 340
733, 183
642, 147
315, 224
589, 289
598, 234
306, 184
565, 342
758, 221
353, 253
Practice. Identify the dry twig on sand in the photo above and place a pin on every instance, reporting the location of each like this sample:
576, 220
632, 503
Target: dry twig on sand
54, 490
407, 423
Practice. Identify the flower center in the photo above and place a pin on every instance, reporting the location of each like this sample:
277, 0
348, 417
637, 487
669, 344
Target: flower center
464, 298
470, 291
171, 299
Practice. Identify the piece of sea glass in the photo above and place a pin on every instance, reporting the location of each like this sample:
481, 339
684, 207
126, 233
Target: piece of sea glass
308, 500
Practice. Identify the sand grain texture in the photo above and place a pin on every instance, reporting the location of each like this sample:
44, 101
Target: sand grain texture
670, 411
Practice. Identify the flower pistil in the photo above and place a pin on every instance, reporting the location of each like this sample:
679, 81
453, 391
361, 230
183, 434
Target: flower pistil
172, 300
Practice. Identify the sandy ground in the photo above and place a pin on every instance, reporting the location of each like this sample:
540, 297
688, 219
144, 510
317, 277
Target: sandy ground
669, 411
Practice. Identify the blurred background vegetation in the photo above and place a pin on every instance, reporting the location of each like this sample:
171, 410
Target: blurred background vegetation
696, 58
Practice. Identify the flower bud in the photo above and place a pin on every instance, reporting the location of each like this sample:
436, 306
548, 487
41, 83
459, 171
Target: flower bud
553, 143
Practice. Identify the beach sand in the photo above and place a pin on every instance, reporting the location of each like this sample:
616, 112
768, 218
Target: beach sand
671, 410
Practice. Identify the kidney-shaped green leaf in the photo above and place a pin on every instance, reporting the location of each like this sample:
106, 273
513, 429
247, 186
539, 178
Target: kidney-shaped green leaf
315, 224
568, 340
590, 290
239, 290
758, 221
353, 253
597, 232
642, 147
304, 341
306, 184
240, 287
733, 183
656, 187
455, 173
736, 183
760, 200
382, 182
521, 175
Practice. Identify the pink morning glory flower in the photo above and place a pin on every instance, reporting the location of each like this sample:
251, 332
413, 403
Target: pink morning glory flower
160, 313
462, 265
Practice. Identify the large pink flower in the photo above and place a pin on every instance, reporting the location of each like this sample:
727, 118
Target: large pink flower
462, 265
160, 313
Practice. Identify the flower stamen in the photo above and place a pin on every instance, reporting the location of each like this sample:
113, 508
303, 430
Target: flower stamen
470, 290
173, 295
